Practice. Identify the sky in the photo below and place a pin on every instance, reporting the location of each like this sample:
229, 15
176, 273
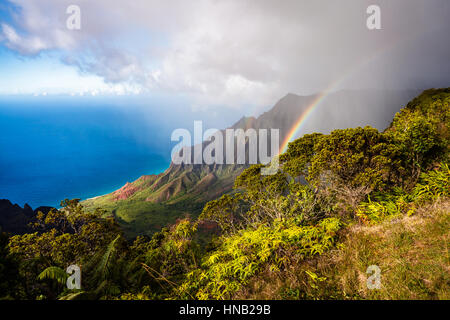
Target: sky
226, 55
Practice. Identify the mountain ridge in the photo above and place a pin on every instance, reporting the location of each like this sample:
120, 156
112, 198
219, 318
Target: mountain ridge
15, 219
183, 189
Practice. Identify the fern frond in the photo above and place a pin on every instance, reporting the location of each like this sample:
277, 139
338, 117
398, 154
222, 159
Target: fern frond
54, 273
74, 296
104, 266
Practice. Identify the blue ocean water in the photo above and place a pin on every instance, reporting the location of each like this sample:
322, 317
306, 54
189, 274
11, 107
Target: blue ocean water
52, 150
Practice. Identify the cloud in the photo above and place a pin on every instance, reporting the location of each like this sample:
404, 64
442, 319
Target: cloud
235, 53
23, 45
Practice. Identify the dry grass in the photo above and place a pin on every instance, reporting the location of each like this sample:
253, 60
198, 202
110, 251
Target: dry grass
412, 253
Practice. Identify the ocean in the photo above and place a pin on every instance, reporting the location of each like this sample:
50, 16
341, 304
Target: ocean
52, 150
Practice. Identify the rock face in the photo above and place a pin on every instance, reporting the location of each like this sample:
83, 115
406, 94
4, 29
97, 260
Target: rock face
125, 192
13, 218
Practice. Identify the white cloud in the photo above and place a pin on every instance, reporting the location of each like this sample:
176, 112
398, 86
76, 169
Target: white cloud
24, 45
235, 53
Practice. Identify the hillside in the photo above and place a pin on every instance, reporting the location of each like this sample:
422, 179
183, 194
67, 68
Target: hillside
371, 222
15, 219
411, 251
154, 201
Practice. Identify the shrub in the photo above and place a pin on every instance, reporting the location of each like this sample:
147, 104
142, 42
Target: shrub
422, 130
434, 184
244, 254
431, 186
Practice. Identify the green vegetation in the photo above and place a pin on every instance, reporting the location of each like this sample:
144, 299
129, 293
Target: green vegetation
411, 252
139, 217
243, 255
339, 203
150, 203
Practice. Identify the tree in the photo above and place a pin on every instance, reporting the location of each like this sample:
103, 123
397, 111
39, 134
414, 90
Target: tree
225, 211
297, 158
63, 237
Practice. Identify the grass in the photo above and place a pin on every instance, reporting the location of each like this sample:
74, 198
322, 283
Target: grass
412, 253
138, 217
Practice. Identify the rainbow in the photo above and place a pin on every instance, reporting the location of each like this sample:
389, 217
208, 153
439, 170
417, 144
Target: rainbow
333, 86
302, 119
